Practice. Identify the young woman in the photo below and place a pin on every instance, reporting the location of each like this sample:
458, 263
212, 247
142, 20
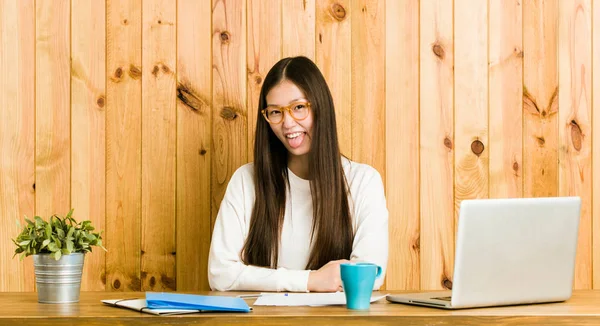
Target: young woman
289, 219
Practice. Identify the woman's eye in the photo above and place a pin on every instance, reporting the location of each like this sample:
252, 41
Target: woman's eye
274, 113
299, 107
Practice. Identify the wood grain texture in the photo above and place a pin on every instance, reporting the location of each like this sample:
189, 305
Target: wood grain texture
505, 98
596, 145
333, 57
52, 108
17, 136
298, 28
368, 83
264, 50
436, 153
22, 308
59, 87
88, 119
159, 21
471, 166
402, 143
574, 121
123, 144
193, 143
231, 319
540, 98
230, 125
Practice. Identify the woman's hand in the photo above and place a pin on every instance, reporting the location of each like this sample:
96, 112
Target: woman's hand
327, 278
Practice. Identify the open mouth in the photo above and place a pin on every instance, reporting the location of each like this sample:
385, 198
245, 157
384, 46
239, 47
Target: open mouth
295, 139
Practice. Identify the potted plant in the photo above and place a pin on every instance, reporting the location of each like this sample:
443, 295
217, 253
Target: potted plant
58, 247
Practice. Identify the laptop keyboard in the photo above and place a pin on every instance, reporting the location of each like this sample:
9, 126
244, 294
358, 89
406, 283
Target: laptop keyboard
444, 298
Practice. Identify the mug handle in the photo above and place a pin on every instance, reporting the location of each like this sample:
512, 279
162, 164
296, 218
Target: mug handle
379, 269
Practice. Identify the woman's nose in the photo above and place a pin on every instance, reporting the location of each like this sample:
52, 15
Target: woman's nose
288, 121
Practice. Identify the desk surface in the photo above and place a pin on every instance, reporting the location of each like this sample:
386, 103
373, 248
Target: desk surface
23, 309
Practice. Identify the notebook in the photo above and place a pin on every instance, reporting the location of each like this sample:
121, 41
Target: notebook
141, 306
161, 303
165, 300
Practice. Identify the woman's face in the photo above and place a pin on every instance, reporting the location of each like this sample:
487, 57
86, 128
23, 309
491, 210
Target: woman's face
295, 134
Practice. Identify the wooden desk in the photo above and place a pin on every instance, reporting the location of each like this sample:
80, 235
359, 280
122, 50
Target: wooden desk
23, 309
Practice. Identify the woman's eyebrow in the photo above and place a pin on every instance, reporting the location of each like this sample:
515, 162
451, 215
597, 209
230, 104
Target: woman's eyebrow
292, 101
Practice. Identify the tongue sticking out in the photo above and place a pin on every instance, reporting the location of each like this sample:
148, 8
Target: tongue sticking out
296, 142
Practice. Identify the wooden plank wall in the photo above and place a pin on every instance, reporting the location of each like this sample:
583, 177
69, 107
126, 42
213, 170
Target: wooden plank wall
88, 121
136, 113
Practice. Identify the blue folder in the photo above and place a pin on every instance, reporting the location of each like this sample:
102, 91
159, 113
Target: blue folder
163, 300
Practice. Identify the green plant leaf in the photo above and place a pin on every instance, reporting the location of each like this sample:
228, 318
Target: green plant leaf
48, 230
57, 236
45, 243
57, 254
24, 243
52, 246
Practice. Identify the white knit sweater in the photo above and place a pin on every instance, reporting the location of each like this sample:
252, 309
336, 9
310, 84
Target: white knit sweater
226, 271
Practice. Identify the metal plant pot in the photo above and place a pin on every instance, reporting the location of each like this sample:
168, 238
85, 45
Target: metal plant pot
58, 281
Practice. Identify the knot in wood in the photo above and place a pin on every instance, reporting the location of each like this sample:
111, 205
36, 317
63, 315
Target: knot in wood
117, 284
135, 72
477, 147
100, 102
228, 113
417, 244
438, 50
541, 141
225, 37
338, 11
576, 135
446, 283
448, 143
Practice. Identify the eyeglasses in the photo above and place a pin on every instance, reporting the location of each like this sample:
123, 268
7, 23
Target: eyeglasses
298, 111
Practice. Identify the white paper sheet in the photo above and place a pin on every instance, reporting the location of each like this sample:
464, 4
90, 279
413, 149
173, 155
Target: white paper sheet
305, 299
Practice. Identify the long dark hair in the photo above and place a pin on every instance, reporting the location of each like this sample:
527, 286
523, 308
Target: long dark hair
332, 233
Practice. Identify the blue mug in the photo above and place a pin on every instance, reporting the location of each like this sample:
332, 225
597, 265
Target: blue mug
358, 280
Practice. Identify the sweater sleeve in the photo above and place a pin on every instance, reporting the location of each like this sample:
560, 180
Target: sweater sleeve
371, 238
226, 271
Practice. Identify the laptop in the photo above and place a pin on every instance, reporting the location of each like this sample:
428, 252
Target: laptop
509, 252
